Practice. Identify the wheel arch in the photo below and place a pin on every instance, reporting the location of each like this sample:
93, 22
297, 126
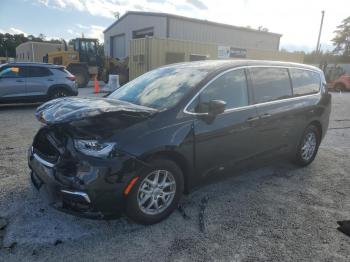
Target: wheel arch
178, 159
318, 125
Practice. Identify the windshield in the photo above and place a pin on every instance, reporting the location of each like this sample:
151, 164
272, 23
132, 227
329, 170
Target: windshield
161, 88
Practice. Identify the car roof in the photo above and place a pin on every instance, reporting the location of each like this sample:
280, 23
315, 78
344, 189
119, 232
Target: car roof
219, 65
32, 64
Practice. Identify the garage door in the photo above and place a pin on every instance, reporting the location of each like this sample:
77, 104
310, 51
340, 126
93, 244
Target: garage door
118, 46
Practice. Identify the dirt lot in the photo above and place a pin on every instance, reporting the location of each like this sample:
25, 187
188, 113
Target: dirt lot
275, 213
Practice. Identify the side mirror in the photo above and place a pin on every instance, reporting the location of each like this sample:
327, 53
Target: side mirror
216, 107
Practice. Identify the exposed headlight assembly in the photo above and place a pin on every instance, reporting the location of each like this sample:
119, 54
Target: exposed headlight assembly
94, 148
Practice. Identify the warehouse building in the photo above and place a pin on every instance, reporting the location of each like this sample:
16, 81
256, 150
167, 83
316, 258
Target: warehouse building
135, 25
35, 51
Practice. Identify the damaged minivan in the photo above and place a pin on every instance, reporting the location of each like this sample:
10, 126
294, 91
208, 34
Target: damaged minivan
166, 132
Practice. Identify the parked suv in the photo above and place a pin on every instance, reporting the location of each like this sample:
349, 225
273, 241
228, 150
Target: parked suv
172, 129
20, 82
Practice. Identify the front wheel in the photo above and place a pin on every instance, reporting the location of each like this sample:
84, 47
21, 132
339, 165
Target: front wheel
308, 146
156, 193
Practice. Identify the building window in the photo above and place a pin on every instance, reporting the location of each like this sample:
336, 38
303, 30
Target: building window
142, 33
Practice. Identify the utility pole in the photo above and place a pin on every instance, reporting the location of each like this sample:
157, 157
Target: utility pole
319, 34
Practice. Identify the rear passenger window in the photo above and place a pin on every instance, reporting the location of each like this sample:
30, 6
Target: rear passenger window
37, 71
270, 84
304, 81
230, 87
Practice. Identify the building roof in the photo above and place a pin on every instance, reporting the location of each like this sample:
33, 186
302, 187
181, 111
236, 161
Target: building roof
189, 19
39, 43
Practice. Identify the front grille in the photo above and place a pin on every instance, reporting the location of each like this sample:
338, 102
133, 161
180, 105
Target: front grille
50, 145
44, 147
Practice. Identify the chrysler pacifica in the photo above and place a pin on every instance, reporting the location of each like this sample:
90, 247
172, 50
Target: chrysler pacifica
164, 133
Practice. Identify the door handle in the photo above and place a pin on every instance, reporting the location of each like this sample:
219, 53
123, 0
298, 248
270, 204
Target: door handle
49, 79
267, 115
20, 81
252, 118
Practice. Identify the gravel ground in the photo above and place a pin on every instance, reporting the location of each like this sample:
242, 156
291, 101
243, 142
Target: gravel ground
274, 213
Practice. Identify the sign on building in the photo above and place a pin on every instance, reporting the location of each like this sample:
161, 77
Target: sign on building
231, 52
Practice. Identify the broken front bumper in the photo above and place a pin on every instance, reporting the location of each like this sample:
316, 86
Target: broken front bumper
98, 193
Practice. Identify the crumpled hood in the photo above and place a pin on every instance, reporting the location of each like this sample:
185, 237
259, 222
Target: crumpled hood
68, 109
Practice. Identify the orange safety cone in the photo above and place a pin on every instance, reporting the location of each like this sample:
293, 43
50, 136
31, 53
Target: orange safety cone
96, 86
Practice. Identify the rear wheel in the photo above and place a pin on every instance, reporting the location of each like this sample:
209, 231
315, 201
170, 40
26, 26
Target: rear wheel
156, 193
308, 146
81, 74
58, 92
339, 87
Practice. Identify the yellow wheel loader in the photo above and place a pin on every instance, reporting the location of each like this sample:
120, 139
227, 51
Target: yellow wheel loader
83, 61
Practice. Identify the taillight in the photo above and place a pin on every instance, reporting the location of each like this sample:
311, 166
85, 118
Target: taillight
72, 78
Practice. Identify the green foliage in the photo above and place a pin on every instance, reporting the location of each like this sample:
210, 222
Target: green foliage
341, 41
9, 42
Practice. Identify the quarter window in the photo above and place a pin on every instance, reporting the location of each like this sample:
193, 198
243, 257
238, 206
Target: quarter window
304, 81
270, 84
230, 87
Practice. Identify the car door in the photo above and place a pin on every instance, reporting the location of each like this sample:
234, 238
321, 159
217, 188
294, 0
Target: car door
38, 80
272, 89
12, 82
229, 137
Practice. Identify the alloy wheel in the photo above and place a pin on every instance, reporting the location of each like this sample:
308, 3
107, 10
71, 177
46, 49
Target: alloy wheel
156, 192
309, 146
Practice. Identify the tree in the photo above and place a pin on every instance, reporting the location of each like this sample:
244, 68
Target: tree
9, 42
341, 41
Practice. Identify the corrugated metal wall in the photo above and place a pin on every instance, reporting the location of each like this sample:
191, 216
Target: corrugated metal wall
24, 52
219, 34
130, 23
275, 55
149, 53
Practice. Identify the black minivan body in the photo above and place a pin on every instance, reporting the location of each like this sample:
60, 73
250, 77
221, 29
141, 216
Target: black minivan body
164, 133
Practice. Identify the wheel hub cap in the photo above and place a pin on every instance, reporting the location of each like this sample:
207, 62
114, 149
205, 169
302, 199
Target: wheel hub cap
156, 192
309, 146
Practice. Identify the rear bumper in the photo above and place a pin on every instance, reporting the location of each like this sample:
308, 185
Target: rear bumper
97, 194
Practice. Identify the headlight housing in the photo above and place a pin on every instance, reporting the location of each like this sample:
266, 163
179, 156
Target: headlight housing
94, 148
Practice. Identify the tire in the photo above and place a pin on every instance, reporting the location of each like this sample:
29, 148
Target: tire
81, 74
138, 211
339, 87
308, 146
58, 92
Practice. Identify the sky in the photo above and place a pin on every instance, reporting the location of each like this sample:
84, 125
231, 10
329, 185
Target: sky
298, 21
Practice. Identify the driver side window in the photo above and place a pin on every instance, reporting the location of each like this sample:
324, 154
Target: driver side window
230, 87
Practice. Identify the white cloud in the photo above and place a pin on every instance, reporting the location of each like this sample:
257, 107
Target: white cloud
91, 31
298, 20
13, 30
82, 26
96, 31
